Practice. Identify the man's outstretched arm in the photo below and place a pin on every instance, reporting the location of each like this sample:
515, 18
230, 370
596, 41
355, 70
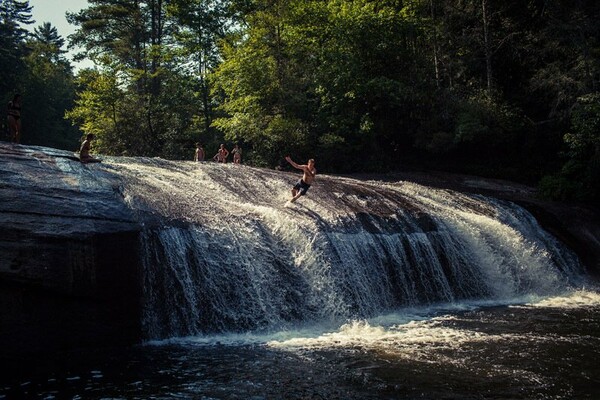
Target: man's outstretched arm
288, 159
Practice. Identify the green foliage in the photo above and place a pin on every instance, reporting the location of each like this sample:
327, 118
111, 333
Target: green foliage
48, 90
566, 48
557, 187
97, 109
260, 84
13, 14
330, 69
484, 120
113, 28
49, 43
580, 176
34, 65
150, 94
584, 140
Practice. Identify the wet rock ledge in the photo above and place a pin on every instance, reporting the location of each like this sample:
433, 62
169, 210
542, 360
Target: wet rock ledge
69, 268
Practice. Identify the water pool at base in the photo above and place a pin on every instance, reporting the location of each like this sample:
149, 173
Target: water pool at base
548, 349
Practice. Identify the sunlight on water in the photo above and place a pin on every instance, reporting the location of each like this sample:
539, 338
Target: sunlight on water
487, 343
410, 334
580, 298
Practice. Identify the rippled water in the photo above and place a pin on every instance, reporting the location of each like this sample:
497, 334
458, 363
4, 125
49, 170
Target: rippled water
542, 349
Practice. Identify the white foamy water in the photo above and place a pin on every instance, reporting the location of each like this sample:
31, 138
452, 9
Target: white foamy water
223, 253
401, 331
576, 299
408, 333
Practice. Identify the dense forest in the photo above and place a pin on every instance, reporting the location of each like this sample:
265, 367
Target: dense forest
498, 88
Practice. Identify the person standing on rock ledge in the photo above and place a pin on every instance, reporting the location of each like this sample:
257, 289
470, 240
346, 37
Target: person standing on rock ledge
222, 154
199, 154
84, 152
14, 119
237, 154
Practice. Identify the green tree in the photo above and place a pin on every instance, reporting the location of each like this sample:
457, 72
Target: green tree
198, 26
13, 15
315, 76
49, 44
99, 109
259, 81
372, 77
579, 178
49, 90
126, 37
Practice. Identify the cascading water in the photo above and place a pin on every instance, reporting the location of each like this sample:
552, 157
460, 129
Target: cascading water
223, 254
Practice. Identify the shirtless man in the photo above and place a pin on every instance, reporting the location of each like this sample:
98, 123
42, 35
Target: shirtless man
308, 177
199, 154
84, 151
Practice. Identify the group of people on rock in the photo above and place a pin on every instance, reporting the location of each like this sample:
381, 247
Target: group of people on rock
299, 189
13, 119
221, 155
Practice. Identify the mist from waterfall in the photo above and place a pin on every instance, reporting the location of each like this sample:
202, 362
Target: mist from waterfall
222, 252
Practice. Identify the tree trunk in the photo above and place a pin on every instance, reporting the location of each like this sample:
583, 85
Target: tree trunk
486, 44
435, 46
156, 41
203, 70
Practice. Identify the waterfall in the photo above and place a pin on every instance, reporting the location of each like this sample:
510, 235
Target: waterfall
222, 252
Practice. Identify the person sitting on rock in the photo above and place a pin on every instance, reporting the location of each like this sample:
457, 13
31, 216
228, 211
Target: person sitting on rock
84, 151
222, 154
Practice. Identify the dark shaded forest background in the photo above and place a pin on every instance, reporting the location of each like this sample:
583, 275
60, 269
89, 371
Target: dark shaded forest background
498, 88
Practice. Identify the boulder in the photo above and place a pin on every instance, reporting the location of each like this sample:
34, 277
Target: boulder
69, 265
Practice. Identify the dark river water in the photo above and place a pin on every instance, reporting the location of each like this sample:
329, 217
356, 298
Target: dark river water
543, 349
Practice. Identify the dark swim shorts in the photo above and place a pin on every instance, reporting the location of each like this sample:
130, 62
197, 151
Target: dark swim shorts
302, 187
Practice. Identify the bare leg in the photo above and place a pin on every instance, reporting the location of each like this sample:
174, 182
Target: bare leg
296, 197
13, 129
294, 192
18, 134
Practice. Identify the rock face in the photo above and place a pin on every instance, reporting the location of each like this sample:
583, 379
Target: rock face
69, 269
